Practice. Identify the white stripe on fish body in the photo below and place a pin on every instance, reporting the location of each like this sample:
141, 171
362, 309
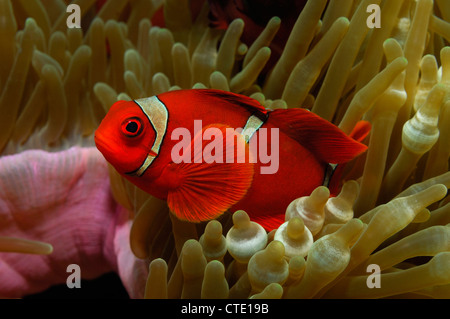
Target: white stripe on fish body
158, 116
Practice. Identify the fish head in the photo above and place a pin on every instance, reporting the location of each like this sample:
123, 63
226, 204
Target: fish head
125, 136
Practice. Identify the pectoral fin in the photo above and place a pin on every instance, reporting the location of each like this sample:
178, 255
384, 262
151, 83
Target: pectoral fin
205, 188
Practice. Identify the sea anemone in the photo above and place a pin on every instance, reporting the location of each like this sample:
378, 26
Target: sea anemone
393, 210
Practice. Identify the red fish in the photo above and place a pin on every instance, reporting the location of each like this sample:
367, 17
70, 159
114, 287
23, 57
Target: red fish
181, 146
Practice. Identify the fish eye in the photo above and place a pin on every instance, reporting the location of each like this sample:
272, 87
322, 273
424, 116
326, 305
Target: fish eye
132, 127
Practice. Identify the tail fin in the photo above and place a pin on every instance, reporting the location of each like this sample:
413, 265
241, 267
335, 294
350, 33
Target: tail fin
359, 133
325, 140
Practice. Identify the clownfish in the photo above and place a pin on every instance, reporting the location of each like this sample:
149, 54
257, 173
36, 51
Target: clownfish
198, 150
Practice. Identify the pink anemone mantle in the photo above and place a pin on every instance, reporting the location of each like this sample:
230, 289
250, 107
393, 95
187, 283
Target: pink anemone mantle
63, 199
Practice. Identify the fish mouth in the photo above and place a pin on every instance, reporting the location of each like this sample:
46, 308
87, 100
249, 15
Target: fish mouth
101, 144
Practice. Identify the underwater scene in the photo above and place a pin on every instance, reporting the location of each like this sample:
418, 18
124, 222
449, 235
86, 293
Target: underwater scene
225, 149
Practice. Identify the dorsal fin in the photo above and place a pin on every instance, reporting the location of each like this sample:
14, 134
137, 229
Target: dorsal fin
325, 140
250, 104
